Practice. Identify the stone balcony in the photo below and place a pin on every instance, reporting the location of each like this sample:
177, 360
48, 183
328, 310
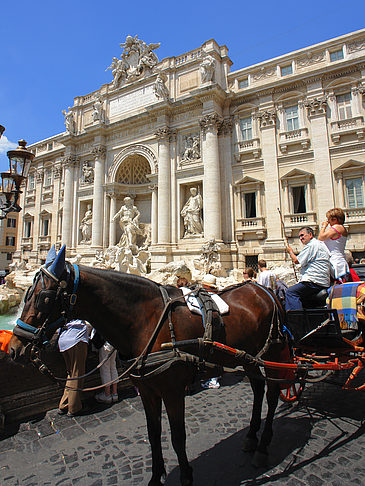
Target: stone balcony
293, 222
355, 215
251, 226
248, 147
299, 137
350, 126
27, 243
44, 242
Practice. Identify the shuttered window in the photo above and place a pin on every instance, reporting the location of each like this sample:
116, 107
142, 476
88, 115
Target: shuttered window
355, 192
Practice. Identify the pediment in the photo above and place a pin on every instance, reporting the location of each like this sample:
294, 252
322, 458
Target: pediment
28, 216
350, 164
248, 180
296, 173
44, 213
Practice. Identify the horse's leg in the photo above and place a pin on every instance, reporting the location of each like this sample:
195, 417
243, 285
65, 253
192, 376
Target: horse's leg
174, 400
272, 396
258, 388
152, 406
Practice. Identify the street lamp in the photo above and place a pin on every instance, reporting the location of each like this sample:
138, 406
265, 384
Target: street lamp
19, 163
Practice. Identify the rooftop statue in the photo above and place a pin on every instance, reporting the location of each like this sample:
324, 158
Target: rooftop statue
137, 59
69, 121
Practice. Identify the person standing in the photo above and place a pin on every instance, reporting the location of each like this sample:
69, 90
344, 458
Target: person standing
266, 277
315, 269
73, 342
108, 373
249, 274
334, 236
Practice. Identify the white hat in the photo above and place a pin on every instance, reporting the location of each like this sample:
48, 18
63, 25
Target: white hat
209, 280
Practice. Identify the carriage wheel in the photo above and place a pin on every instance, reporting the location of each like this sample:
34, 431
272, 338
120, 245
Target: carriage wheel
292, 393
319, 375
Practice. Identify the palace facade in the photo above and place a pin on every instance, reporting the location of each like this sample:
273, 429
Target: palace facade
286, 134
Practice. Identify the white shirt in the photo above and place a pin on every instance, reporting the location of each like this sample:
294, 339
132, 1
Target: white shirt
71, 334
267, 279
315, 265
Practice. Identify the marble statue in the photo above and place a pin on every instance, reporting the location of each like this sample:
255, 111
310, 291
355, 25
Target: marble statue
88, 173
69, 121
192, 148
137, 59
86, 225
128, 216
207, 68
98, 111
191, 213
159, 88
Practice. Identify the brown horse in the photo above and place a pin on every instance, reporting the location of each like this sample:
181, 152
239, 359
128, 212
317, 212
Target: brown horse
126, 309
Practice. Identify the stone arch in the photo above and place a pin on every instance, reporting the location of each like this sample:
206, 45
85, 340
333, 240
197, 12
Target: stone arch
137, 153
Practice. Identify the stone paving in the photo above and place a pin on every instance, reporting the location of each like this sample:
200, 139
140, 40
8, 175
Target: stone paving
320, 441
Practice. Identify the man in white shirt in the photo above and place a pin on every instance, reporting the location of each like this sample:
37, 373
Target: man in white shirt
315, 269
266, 277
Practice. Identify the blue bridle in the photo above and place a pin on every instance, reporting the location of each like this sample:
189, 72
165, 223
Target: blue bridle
38, 333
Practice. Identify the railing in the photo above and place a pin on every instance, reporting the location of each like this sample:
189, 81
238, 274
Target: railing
348, 126
355, 215
250, 225
189, 56
300, 219
291, 137
249, 146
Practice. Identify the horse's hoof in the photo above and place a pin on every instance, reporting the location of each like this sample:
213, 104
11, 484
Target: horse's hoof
260, 459
249, 444
158, 482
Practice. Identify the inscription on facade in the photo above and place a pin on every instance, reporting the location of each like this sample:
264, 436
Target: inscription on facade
128, 102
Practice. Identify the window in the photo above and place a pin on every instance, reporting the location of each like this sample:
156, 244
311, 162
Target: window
11, 223
27, 229
298, 193
10, 241
250, 204
344, 106
252, 261
50, 146
45, 227
31, 182
336, 55
354, 192
246, 128
9, 256
286, 70
48, 177
292, 119
243, 83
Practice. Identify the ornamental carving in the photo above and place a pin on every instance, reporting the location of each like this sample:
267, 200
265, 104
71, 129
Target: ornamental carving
356, 46
39, 175
57, 171
136, 60
165, 133
211, 121
226, 126
191, 149
264, 73
316, 106
309, 59
266, 118
71, 160
131, 150
99, 151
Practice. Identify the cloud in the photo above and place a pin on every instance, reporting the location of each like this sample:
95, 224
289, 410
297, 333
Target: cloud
6, 145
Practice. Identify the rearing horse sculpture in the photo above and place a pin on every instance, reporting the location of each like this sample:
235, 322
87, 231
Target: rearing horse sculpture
126, 309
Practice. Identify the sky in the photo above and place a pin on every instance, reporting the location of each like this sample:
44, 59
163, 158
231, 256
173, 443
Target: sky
51, 52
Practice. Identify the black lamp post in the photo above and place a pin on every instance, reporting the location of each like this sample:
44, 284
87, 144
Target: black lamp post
19, 163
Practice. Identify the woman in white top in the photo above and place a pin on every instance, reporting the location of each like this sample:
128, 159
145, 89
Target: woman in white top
334, 236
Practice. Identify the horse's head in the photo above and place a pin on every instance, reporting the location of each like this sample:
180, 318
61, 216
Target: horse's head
47, 304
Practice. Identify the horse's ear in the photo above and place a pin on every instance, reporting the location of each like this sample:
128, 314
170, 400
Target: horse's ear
51, 256
58, 265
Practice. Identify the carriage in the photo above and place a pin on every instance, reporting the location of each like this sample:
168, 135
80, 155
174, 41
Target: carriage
169, 346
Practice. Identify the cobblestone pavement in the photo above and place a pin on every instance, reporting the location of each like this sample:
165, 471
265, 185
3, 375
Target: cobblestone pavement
320, 441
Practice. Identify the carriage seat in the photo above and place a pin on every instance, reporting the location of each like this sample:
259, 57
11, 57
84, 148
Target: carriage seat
316, 300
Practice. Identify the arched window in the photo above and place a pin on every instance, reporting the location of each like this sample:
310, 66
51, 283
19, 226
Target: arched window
133, 170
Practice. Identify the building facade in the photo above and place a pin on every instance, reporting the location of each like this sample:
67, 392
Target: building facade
205, 153
8, 241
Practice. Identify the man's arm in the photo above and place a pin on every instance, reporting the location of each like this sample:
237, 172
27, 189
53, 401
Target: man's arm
292, 255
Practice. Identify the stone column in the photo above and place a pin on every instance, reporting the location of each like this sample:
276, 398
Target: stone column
267, 120
323, 169
154, 215
69, 163
112, 224
174, 217
57, 173
225, 133
164, 185
356, 101
98, 204
211, 182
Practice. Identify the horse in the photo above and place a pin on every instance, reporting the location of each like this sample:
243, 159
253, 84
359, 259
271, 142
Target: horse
131, 314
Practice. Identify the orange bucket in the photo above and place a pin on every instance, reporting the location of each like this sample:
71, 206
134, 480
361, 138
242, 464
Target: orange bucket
5, 337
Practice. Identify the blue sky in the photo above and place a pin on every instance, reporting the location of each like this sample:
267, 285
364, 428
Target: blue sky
54, 51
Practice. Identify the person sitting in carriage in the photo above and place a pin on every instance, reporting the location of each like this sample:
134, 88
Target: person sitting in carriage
315, 269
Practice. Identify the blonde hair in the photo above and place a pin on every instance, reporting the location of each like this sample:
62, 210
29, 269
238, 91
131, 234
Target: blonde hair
336, 213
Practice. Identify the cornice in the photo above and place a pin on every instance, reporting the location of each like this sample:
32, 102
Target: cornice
345, 149
304, 156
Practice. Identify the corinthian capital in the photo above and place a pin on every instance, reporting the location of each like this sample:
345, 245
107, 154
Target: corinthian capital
226, 126
211, 121
71, 160
316, 106
99, 151
267, 118
165, 133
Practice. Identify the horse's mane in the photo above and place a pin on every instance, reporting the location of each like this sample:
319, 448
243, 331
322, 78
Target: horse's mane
116, 276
